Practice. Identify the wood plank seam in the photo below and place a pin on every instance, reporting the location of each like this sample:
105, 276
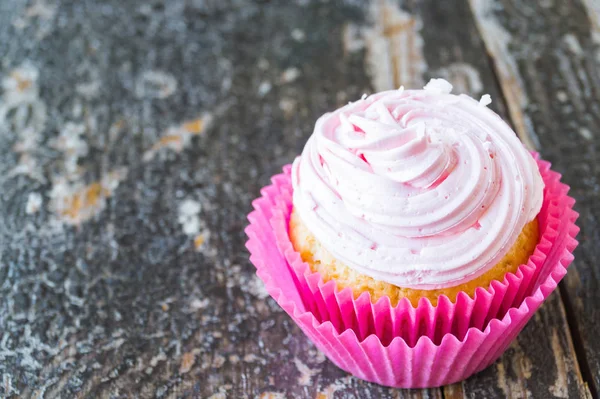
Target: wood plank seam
495, 40
592, 10
577, 342
508, 78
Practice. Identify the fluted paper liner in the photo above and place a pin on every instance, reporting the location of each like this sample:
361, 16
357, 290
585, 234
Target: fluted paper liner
404, 346
339, 307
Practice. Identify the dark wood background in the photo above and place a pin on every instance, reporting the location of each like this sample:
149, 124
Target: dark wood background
134, 135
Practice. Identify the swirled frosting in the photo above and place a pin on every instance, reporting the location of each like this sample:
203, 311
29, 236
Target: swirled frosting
417, 188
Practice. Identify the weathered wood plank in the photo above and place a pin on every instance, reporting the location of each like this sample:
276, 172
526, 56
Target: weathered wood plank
529, 368
460, 55
550, 49
140, 133
536, 364
150, 127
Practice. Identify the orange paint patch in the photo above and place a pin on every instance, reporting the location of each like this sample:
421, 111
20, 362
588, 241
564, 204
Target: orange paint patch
198, 241
271, 395
74, 204
22, 82
390, 31
168, 141
194, 127
177, 138
187, 361
85, 199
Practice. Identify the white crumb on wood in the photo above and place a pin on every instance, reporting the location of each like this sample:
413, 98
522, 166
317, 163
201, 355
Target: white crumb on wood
189, 207
34, 202
290, 75
257, 288
188, 216
586, 133
199, 303
306, 373
161, 357
155, 84
573, 43
561, 96
298, 35
287, 105
264, 88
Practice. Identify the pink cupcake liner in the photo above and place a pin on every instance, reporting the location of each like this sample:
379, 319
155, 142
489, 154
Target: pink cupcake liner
328, 303
405, 346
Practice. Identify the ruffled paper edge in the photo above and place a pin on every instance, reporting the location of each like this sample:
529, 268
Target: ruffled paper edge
344, 311
368, 358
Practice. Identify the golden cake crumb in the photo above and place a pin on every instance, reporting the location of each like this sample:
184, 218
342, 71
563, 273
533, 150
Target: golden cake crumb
323, 262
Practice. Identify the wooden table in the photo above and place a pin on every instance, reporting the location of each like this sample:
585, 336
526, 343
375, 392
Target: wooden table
135, 134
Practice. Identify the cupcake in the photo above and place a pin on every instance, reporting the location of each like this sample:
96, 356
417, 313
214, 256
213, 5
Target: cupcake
415, 194
414, 237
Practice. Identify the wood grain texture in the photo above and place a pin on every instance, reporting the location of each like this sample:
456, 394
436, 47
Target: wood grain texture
539, 364
552, 48
445, 48
138, 284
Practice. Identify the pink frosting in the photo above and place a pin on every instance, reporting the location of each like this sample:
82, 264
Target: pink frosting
418, 188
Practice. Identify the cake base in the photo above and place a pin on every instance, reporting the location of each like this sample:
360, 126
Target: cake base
322, 261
